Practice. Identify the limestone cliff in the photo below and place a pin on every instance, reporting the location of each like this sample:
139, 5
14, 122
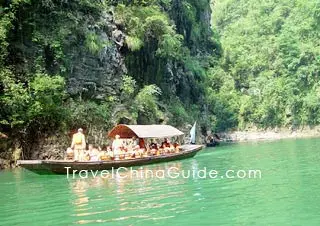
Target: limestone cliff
64, 64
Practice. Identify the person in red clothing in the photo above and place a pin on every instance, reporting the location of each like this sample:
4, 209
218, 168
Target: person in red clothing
142, 148
141, 143
167, 146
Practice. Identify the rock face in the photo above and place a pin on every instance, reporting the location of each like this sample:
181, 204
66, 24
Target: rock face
96, 75
87, 46
53, 147
5, 164
272, 134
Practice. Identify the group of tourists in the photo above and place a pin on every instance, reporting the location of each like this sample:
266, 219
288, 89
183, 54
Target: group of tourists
119, 150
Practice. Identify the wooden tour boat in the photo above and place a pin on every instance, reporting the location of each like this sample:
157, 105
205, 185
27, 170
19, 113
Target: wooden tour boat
213, 140
125, 132
213, 144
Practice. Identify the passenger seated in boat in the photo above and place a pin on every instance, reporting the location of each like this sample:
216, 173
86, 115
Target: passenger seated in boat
167, 146
132, 148
86, 153
177, 147
110, 152
133, 143
85, 156
122, 153
142, 149
94, 153
172, 149
138, 153
69, 154
165, 143
153, 147
161, 151
106, 154
161, 147
103, 155
127, 152
134, 153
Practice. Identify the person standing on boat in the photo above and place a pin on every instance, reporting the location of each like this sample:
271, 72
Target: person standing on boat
78, 145
117, 144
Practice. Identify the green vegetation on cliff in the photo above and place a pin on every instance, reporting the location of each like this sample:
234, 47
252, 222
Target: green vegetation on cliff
98, 63
271, 61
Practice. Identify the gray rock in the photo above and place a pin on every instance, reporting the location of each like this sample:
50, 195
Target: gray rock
98, 74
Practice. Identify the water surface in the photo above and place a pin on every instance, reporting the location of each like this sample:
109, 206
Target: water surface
287, 193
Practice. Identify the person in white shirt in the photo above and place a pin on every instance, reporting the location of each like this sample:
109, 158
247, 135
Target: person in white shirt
117, 144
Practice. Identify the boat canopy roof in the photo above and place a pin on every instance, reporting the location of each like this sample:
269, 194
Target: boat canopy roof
144, 131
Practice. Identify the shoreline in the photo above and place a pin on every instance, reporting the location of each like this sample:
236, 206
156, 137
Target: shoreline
252, 135
274, 134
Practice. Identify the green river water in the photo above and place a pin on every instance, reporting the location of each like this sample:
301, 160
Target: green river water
288, 192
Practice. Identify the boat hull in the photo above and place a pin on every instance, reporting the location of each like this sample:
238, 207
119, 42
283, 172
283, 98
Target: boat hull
63, 167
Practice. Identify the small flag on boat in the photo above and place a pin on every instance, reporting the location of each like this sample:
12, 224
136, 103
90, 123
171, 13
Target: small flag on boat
193, 134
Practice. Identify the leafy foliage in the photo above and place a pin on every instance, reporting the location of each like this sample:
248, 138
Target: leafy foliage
270, 52
146, 102
258, 65
40, 103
